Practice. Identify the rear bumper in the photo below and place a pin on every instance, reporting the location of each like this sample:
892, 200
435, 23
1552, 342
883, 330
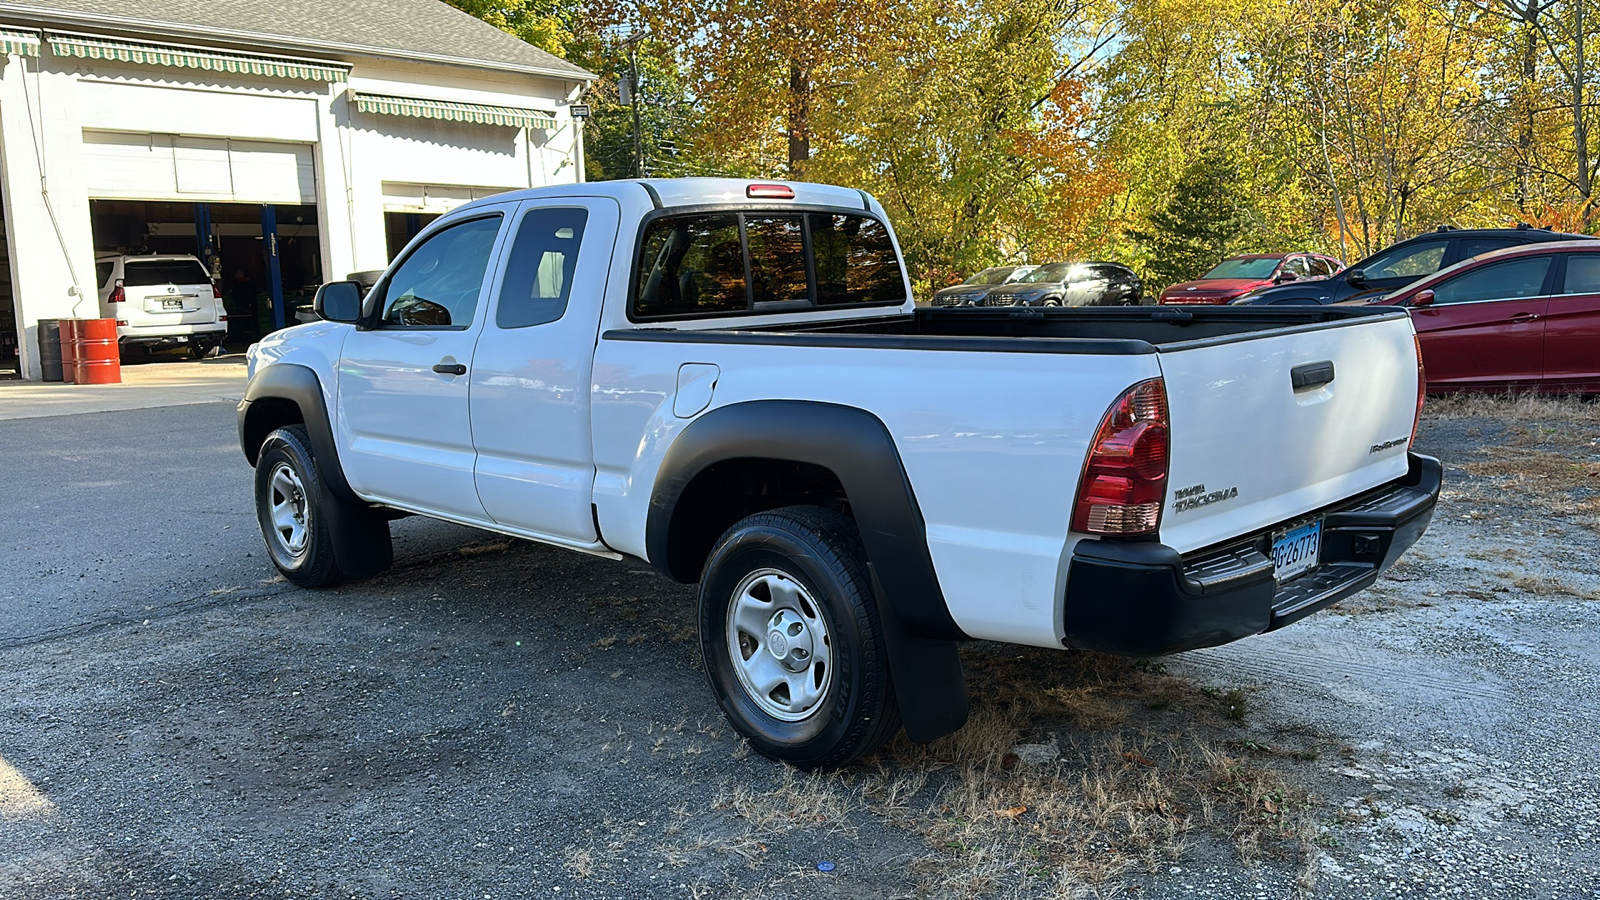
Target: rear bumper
169, 335
1145, 599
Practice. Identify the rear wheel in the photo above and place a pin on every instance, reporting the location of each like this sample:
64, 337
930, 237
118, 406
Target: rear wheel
792, 641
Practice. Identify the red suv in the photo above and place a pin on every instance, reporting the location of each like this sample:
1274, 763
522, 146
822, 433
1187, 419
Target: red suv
1239, 275
1523, 318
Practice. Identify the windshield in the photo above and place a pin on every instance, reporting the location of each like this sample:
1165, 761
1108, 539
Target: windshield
1048, 274
1257, 267
990, 276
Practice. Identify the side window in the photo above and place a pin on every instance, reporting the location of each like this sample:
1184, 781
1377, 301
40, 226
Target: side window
539, 271
1471, 247
855, 260
777, 259
1501, 281
1412, 261
1321, 267
103, 270
438, 284
1583, 274
691, 264
1297, 265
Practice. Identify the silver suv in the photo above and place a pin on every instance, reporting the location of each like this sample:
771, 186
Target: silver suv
161, 301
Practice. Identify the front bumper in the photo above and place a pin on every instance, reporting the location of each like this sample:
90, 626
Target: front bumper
1146, 599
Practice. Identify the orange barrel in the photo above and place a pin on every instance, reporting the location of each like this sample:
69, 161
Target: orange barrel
98, 361
69, 350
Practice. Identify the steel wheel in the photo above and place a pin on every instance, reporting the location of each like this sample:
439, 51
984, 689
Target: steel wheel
779, 645
290, 513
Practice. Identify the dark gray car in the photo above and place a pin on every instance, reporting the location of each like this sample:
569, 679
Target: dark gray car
1092, 283
972, 291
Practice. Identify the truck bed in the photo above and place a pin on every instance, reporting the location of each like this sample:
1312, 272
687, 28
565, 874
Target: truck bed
1109, 330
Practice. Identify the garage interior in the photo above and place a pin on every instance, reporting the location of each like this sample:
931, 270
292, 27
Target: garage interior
10, 334
233, 241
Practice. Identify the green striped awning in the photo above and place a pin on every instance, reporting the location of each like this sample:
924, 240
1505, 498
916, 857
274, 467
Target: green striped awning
451, 111
18, 43
193, 58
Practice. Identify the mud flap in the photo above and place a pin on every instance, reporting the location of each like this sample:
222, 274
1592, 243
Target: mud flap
929, 685
360, 535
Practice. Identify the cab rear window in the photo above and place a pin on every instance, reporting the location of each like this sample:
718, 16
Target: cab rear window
719, 264
145, 272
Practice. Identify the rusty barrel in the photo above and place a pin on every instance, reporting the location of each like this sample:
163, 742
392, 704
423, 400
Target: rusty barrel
69, 350
97, 359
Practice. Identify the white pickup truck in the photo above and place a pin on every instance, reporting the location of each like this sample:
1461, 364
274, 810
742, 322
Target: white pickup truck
730, 381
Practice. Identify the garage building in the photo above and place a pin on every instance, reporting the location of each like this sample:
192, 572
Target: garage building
284, 144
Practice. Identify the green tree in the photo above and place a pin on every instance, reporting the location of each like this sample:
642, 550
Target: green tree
1200, 224
539, 22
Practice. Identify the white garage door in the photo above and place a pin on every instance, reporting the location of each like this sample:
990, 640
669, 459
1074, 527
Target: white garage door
126, 166
432, 198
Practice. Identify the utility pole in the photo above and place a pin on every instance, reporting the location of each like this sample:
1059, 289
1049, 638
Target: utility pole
638, 144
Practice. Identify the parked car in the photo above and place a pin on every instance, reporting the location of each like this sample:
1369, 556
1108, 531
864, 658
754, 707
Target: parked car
1398, 265
1090, 283
972, 291
1239, 275
1115, 480
161, 301
1524, 318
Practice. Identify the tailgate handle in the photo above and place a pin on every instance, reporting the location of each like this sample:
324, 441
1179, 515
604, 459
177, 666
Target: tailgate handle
1311, 375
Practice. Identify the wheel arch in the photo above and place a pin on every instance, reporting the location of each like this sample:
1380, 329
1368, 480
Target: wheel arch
834, 445
288, 394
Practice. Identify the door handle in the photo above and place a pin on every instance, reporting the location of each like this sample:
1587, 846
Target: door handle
1311, 375
450, 369
1525, 317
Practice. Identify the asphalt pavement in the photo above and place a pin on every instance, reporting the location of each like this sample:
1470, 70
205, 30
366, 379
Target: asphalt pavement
498, 719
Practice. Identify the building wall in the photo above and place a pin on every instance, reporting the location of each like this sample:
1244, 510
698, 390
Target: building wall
47, 103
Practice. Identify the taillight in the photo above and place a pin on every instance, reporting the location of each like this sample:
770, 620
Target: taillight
1125, 477
1422, 390
122, 323
117, 295
222, 318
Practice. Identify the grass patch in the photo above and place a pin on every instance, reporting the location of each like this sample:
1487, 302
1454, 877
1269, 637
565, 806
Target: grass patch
1513, 407
1073, 771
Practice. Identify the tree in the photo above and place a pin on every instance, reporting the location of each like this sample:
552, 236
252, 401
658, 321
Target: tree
539, 22
1199, 225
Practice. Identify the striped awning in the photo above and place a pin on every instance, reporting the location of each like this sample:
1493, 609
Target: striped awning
193, 58
19, 43
451, 111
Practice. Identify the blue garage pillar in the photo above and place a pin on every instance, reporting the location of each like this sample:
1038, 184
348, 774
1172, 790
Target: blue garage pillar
202, 234
269, 240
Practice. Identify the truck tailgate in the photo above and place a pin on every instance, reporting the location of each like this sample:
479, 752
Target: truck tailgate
1251, 449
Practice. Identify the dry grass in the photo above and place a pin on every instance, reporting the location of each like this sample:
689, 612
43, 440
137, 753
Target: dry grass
1547, 586
1513, 407
1073, 771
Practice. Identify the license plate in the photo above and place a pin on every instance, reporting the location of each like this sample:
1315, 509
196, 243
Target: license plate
174, 303
1297, 551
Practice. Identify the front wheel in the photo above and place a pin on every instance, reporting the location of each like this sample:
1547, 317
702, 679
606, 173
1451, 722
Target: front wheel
792, 641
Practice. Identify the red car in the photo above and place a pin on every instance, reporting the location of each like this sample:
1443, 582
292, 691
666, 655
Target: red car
1239, 275
1525, 318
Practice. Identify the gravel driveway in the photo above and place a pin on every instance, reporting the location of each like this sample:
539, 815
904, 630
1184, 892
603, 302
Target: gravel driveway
497, 719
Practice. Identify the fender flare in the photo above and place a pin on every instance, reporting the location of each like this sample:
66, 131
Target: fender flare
920, 635
299, 385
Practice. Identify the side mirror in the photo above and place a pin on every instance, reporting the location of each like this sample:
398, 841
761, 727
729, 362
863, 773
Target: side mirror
1422, 299
1356, 277
1285, 276
338, 301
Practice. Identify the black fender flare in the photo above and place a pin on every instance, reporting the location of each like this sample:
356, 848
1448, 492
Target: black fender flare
921, 637
360, 532
300, 386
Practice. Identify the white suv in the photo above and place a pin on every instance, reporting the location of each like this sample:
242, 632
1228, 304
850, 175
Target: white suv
161, 301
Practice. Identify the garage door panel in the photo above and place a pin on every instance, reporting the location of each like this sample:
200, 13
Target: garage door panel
202, 165
129, 166
168, 167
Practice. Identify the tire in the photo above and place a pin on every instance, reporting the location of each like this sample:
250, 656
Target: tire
801, 575
198, 350
299, 517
